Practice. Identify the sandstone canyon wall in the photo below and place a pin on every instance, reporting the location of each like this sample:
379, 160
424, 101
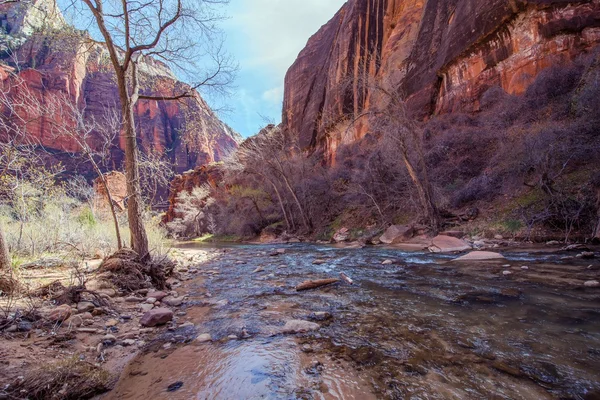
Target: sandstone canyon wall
54, 59
441, 55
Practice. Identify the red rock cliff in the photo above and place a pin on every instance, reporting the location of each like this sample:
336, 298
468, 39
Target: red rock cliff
440, 54
61, 64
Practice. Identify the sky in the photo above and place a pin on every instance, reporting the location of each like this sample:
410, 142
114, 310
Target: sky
265, 37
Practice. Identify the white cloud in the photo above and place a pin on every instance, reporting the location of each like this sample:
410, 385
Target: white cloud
273, 95
274, 31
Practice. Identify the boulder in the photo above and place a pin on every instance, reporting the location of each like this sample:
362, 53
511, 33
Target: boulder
60, 313
158, 316
299, 326
397, 234
341, 235
85, 306
481, 256
448, 244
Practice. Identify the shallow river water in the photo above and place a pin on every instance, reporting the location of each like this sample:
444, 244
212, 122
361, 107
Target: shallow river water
420, 328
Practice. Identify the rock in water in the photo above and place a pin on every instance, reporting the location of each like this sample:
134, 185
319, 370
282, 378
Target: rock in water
158, 316
448, 244
481, 256
592, 284
299, 326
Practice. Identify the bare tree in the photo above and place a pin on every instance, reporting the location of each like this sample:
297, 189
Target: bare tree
174, 31
390, 117
94, 139
269, 156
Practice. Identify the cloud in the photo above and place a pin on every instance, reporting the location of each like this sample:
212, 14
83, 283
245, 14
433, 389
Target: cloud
273, 95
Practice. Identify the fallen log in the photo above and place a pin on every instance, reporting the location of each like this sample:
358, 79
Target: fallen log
346, 278
315, 284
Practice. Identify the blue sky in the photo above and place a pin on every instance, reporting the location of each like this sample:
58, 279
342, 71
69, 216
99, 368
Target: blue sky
265, 36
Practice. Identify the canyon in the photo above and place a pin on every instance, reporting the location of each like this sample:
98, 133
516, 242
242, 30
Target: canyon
440, 55
54, 60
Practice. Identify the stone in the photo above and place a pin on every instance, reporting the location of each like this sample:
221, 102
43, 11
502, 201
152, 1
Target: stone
157, 316
525, 268
128, 342
158, 295
75, 321
448, 244
173, 301
111, 322
586, 255
86, 316
397, 234
85, 306
133, 299
60, 313
479, 243
506, 273
146, 307
151, 300
204, 338
186, 325
387, 262
257, 270
299, 326
341, 235
592, 284
499, 237
480, 256
108, 339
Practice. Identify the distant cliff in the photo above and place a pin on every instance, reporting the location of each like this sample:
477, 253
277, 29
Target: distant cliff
53, 58
441, 55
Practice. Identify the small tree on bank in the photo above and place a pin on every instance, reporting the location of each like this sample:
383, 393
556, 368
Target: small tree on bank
177, 32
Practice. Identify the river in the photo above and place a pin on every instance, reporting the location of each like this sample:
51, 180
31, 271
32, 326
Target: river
419, 328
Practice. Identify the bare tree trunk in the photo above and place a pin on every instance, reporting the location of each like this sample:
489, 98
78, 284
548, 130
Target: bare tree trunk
139, 239
287, 220
4, 256
429, 208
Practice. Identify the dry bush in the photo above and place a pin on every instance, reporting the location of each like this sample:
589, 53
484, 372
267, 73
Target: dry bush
127, 271
70, 379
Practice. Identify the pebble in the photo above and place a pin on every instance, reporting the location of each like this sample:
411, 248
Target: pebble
173, 301
187, 325
85, 306
146, 307
387, 262
133, 299
111, 322
128, 342
524, 268
205, 337
259, 269
108, 339
151, 300
592, 284
232, 337
506, 273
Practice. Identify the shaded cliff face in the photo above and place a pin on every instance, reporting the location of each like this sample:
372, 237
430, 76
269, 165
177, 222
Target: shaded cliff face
63, 63
441, 55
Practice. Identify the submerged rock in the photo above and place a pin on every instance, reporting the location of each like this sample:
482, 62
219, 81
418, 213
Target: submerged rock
299, 326
480, 256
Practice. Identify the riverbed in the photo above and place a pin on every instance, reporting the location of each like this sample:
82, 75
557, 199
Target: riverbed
420, 327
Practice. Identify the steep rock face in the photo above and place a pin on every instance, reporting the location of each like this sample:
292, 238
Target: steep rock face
210, 174
61, 63
441, 55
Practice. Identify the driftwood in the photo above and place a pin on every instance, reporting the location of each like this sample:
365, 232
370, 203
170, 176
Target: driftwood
315, 284
346, 278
